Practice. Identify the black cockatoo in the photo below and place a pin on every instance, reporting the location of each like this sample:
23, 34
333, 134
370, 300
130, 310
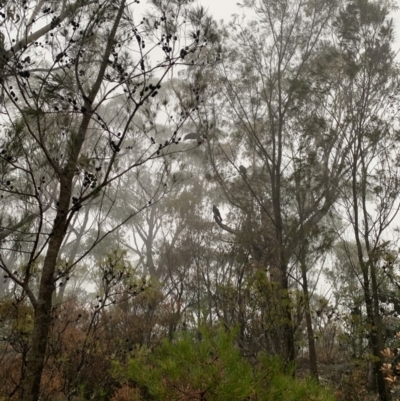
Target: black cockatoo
243, 171
217, 214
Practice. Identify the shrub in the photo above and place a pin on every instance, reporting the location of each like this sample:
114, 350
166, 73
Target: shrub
208, 366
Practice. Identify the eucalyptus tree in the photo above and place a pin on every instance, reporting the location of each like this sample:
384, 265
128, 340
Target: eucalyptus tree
61, 152
370, 197
278, 138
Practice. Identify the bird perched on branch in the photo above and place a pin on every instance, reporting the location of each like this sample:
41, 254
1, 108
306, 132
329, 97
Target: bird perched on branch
243, 171
217, 214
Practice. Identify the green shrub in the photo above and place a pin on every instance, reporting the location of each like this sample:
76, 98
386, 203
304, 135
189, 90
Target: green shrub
209, 367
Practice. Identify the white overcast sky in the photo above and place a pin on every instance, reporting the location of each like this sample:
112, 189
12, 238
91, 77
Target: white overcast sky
223, 9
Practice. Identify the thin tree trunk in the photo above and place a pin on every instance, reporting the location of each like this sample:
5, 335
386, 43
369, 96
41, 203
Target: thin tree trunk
284, 297
61, 290
312, 354
377, 337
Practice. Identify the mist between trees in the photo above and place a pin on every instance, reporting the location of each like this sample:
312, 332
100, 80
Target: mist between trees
163, 236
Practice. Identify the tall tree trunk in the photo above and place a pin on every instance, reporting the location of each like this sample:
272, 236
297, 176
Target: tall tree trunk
375, 339
368, 272
376, 334
312, 354
278, 134
42, 319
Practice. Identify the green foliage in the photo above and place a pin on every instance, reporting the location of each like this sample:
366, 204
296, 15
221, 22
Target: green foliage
209, 366
274, 384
